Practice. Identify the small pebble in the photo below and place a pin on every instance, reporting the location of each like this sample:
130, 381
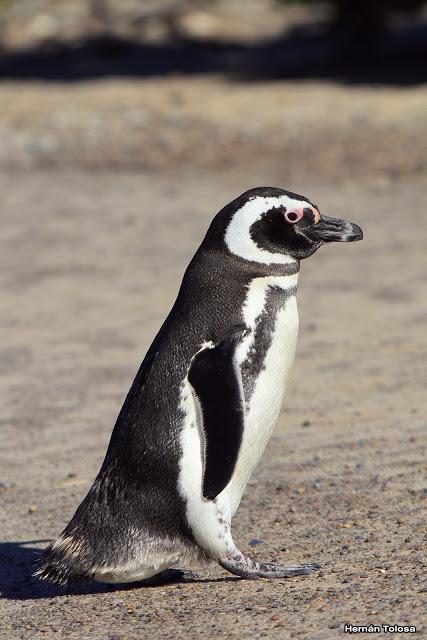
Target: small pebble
255, 541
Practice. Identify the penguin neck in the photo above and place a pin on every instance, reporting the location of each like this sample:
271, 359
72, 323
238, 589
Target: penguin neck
215, 266
262, 270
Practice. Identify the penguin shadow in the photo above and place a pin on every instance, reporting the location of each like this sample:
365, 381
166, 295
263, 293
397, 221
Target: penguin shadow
18, 561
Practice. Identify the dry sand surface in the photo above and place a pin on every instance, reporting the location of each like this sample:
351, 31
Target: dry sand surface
329, 130
90, 265
107, 188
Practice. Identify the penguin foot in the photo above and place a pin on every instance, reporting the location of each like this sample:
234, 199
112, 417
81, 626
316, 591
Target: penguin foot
170, 576
247, 567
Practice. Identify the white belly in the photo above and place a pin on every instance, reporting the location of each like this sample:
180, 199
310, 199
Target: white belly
210, 520
266, 399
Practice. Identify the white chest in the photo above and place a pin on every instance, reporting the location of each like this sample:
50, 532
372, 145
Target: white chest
206, 517
270, 374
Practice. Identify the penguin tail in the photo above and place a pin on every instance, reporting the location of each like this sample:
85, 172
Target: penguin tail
61, 563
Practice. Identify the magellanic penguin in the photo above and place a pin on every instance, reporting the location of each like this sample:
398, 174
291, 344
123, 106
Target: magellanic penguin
203, 404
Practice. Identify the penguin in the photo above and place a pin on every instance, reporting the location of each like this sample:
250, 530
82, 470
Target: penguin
203, 404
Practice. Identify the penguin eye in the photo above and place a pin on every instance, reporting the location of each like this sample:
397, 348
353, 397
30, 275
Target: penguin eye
293, 216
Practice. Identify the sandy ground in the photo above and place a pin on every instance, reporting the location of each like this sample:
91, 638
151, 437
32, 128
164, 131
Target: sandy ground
107, 187
90, 265
334, 131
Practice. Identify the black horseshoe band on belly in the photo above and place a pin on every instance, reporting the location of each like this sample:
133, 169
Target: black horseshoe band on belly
254, 363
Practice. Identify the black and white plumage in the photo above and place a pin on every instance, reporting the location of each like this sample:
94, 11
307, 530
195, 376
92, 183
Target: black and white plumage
203, 404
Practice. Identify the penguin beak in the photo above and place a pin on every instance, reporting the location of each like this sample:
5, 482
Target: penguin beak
334, 230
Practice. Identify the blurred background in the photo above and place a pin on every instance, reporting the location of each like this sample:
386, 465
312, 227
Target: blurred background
161, 83
125, 125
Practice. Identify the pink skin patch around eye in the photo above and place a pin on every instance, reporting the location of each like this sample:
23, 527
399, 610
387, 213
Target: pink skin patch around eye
294, 215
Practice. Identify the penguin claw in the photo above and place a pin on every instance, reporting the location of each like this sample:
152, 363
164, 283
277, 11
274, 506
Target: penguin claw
247, 567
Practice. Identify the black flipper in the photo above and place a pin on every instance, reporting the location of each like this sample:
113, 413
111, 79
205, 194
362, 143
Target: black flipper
215, 378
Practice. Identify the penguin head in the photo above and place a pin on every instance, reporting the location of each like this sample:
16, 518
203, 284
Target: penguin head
271, 225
